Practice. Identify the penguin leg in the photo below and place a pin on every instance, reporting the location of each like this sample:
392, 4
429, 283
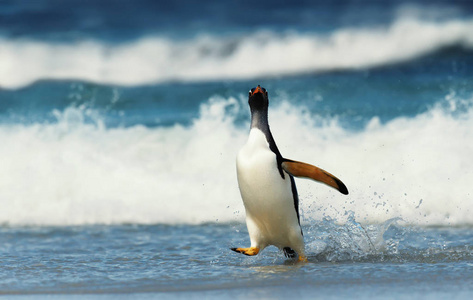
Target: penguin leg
247, 251
289, 253
254, 232
296, 246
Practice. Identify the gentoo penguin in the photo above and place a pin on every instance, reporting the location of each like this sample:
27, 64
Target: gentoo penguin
267, 187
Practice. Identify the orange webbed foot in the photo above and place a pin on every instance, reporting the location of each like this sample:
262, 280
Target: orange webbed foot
247, 251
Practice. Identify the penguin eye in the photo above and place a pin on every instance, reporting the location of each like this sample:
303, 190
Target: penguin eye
249, 93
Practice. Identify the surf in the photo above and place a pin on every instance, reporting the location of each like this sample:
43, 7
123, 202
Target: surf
76, 170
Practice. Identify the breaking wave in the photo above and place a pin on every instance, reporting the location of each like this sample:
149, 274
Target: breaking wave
155, 59
73, 172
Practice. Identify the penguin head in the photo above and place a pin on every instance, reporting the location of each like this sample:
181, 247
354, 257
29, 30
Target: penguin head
258, 98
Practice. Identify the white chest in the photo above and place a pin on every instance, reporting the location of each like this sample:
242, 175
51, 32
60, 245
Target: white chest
261, 184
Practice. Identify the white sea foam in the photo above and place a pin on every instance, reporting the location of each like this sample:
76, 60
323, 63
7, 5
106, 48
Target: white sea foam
158, 59
72, 172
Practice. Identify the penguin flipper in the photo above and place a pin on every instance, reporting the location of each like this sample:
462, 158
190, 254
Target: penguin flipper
300, 169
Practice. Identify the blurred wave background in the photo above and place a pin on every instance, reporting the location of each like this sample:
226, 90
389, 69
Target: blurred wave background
116, 112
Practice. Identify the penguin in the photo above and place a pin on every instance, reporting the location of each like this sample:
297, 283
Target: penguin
267, 186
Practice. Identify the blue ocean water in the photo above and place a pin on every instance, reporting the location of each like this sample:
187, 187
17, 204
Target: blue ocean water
120, 122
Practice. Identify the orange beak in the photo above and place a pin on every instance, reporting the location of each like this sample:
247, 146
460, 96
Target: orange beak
258, 89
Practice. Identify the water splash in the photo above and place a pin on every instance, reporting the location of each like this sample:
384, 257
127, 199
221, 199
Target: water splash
330, 241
